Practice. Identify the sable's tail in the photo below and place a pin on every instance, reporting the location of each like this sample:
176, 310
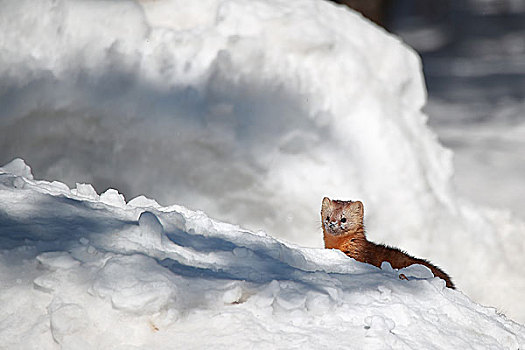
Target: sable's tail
399, 259
437, 272
441, 274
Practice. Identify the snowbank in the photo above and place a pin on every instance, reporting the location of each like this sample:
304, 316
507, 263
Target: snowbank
83, 271
251, 111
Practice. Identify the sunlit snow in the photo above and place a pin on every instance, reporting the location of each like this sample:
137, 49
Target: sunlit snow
78, 272
250, 111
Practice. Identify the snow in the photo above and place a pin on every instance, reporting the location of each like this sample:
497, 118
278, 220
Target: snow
79, 273
265, 99
476, 95
250, 111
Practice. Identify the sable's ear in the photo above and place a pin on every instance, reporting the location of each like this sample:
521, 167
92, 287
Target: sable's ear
357, 207
326, 203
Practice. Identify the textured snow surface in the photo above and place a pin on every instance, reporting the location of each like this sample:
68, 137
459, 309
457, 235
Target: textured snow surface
78, 272
251, 111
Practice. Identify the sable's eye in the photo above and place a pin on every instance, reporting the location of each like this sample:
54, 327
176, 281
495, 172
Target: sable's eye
343, 220
327, 218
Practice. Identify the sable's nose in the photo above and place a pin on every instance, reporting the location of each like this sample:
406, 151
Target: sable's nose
332, 224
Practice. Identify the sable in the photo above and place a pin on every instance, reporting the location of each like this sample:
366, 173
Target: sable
343, 229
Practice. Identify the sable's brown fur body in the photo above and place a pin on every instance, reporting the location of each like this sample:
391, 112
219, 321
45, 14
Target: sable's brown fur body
343, 229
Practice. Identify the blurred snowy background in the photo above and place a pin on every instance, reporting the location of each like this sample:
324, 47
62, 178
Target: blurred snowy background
473, 56
253, 114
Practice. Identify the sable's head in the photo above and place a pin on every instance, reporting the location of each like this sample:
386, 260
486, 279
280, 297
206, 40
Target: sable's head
341, 217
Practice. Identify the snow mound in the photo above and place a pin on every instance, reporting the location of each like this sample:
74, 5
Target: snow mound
18, 167
252, 102
78, 272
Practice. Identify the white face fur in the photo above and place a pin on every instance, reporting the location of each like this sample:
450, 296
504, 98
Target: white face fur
341, 217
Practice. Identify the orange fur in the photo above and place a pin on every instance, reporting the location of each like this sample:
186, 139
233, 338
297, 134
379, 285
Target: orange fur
343, 229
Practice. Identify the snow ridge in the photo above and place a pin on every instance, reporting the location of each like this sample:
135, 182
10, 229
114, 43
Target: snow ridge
83, 271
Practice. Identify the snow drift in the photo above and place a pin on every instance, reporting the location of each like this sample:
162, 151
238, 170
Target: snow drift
83, 271
251, 111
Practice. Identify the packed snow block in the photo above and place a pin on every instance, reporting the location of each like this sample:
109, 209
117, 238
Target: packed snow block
233, 294
416, 271
135, 284
318, 303
57, 264
150, 223
47, 283
85, 190
112, 197
57, 260
289, 300
67, 320
142, 201
18, 167
378, 324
